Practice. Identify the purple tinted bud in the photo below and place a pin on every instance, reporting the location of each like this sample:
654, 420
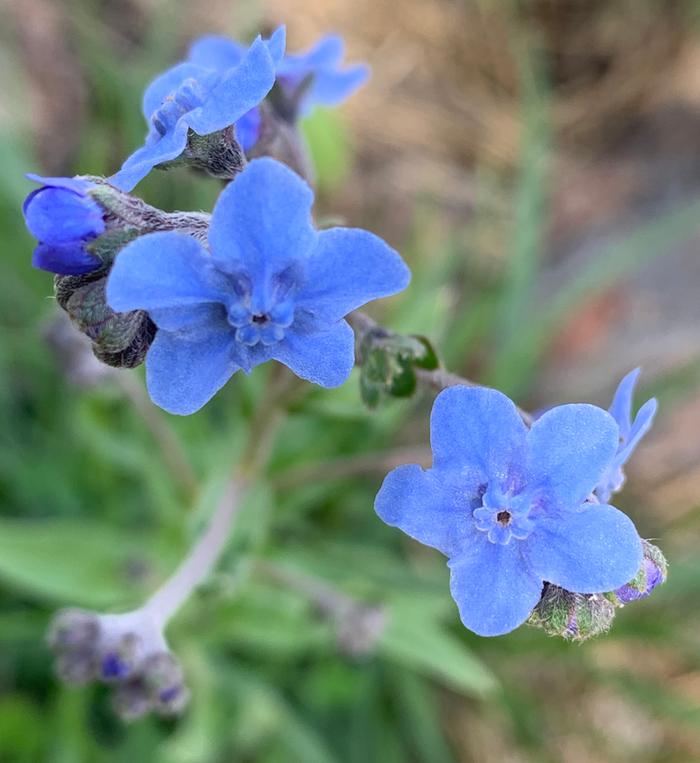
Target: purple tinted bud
113, 667
64, 219
651, 574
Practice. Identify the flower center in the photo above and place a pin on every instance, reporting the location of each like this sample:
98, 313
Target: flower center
502, 523
254, 326
503, 518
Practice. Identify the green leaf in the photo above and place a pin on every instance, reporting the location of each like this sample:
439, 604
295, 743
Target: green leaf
427, 648
419, 717
78, 561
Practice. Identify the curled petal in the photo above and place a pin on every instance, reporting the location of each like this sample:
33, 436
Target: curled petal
621, 407
238, 91
642, 424
166, 84
158, 150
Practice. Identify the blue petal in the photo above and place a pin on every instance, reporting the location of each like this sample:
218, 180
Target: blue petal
69, 259
76, 184
493, 586
57, 216
157, 151
238, 91
262, 221
248, 129
348, 268
190, 318
277, 43
571, 447
164, 269
184, 372
325, 358
166, 84
642, 424
427, 508
479, 433
215, 51
589, 551
328, 51
330, 88
621, 407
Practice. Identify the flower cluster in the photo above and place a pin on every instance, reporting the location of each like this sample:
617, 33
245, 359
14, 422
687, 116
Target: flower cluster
127, 652
191, 107
519, 507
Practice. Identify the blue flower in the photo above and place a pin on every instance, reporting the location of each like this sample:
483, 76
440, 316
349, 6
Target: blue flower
202, 98
329, 84
319, 69
631, 434
508, 506
270, 287
64, 219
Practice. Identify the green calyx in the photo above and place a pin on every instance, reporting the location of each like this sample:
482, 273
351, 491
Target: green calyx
389, 363
572, 616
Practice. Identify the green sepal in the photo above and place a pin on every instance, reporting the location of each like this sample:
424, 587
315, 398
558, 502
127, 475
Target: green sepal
389, 363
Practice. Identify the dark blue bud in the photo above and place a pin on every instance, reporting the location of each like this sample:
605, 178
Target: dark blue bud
64, 219
113, 667
70, 259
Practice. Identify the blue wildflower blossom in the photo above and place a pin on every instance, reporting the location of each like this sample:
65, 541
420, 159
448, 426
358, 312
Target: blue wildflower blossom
202, 98
631, 434
507, 505
318, 69
64, 219
271, 287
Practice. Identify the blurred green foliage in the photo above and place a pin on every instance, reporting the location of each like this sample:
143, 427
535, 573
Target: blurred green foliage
91, 514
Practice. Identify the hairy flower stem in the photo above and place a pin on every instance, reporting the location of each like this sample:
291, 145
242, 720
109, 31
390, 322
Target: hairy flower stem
165, 602
195, 568
438, 379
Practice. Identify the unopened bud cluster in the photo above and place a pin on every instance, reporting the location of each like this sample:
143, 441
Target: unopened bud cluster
127, 652
578, 617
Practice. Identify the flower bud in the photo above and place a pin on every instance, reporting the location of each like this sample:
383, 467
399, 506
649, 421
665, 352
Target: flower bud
652, 573
125, 651
573, 616
64, 219
82, 224
358, 628
389, 363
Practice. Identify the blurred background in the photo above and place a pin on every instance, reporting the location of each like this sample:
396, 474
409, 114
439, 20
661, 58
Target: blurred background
538, 165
